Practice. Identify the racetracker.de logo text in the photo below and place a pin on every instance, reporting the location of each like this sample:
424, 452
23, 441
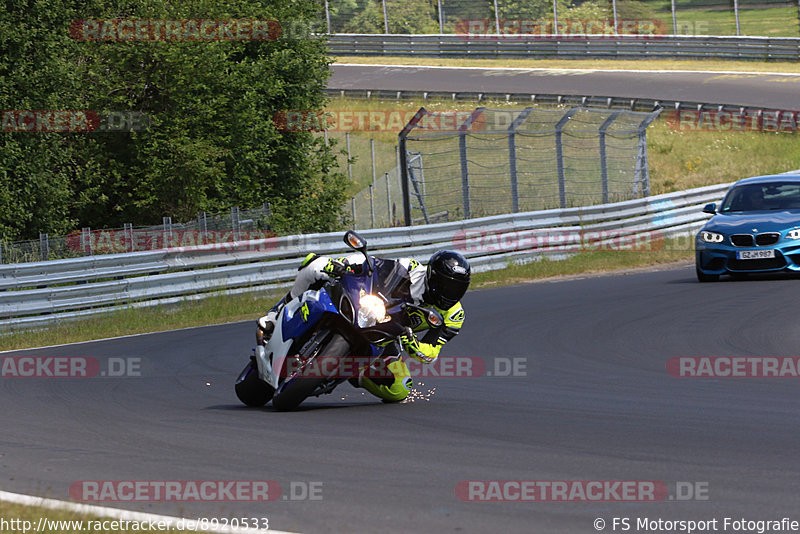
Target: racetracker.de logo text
174, 30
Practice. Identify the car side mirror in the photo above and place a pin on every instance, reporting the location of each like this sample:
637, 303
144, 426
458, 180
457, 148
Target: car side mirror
710, 209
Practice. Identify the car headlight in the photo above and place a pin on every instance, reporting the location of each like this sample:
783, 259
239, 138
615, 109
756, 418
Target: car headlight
793, 234
711, 237
371, 310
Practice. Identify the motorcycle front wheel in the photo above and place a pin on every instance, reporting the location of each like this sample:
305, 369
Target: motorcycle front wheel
323, 366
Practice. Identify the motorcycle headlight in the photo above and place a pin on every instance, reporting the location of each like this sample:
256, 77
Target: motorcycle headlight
371, 310
793, 234
711, 237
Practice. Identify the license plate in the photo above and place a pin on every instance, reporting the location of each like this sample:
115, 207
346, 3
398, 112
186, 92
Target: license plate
754, 254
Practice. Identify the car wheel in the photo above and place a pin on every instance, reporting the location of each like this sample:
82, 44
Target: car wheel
703, 277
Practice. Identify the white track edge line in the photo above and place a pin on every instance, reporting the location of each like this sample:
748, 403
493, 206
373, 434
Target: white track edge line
116, 513
556, 69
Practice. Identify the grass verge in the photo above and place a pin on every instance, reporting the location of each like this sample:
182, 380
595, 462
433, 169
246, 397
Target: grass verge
224, 309
212, 310
673, 251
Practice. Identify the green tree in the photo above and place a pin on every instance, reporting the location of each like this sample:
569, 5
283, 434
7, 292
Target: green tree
211, 141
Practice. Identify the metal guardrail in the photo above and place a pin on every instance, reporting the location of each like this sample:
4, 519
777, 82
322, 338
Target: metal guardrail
37, 294
566, 47
549, 99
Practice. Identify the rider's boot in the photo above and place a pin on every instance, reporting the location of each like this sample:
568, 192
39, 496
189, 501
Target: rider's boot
266, 324
390, 381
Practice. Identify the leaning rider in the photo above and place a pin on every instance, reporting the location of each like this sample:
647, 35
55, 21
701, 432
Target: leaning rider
441, 285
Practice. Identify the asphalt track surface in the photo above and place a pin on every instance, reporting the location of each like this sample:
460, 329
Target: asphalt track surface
771, 91
595, 403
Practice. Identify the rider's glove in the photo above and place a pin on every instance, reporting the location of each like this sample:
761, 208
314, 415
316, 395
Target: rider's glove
412, 346
335, 268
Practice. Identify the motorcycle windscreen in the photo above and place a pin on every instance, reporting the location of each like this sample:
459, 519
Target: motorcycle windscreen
392, 280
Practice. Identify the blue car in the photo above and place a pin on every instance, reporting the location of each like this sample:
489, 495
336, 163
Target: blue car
756, 229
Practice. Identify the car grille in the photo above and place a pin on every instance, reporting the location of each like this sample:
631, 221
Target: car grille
742, 240
757, 265
762, 240
768, 238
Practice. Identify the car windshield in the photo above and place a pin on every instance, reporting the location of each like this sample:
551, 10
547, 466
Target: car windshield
763, 196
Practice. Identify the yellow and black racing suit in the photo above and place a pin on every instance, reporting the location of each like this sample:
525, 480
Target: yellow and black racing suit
394, 385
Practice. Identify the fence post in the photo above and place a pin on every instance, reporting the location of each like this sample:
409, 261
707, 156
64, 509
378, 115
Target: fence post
674, 19
388, 200
1, 252
736, 15
385, 17
86, 240
512, 156
372, 185
562, 181
603, 158
372, 205
353, 206
415, 181
496, 18
462, 151
44, 247
372, 157
403, 161
167, 221
127, 230
202, 226
328, 23
235, 222
642, 171
555, 18
349, 165
614, 9
441, 17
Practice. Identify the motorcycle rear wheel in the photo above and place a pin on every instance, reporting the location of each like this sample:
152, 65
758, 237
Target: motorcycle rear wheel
321, 369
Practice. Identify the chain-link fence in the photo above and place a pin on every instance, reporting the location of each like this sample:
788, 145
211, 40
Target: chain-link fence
380, 205
490, 162
229, 226
769, 18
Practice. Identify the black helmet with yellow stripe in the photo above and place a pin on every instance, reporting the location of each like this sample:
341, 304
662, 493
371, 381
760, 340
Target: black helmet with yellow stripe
447, 279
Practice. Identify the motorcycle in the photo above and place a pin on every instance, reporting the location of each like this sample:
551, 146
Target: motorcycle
328, 335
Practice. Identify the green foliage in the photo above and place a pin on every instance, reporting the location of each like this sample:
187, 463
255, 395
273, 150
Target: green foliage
603, 9
635, 10
211, 142
530, 9
593, 10
403, 16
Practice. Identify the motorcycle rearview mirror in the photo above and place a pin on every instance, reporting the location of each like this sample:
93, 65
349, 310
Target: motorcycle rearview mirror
356, 242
